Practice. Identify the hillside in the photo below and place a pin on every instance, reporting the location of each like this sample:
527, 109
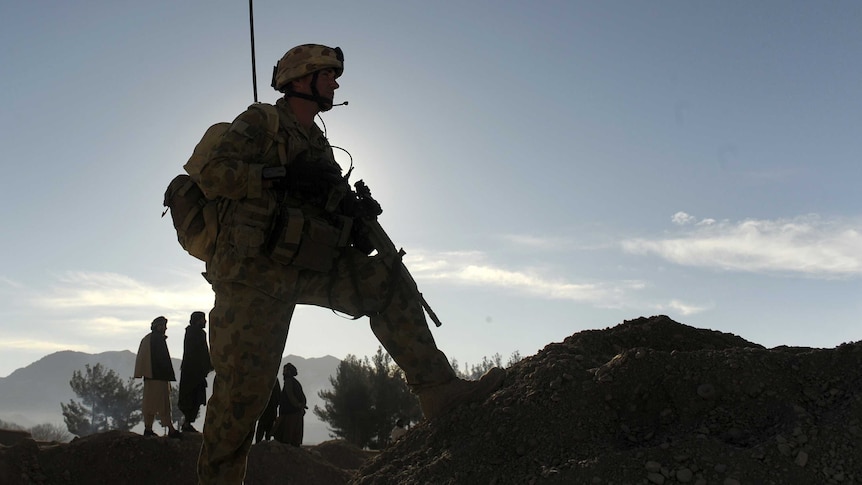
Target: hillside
649, 401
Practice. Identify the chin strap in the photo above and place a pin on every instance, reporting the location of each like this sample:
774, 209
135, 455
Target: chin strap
325, 104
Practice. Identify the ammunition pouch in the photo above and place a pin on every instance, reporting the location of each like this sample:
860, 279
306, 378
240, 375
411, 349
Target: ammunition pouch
247, 225
306, 241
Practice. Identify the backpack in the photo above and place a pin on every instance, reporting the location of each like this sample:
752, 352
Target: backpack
194, 214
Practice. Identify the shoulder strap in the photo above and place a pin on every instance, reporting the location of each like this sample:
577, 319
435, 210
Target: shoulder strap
272, 125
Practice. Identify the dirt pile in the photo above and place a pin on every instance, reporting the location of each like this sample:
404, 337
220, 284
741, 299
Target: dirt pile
120, 457
649, 401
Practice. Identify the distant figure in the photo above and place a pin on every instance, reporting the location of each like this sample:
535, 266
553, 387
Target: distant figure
153, 363
291, 409
193, 371
398, 431
267, 419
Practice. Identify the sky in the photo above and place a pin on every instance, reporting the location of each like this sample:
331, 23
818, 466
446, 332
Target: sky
549, 167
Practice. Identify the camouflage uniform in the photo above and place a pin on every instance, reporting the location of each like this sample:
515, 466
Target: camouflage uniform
255, 295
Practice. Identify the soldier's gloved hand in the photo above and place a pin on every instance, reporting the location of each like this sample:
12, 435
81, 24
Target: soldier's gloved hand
306, 172
367, 205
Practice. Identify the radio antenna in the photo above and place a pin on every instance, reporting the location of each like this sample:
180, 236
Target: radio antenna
253, 67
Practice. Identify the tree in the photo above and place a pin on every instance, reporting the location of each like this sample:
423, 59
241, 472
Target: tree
40, 432
124, 408
369, 395
106, 402
10, 425
176, 414
50, 432
474, 372
348, 405
392, 398
366, 399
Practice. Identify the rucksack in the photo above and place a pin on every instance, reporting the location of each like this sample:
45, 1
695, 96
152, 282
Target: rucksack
195, 216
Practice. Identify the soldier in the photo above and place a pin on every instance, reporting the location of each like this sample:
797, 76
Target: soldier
287, 237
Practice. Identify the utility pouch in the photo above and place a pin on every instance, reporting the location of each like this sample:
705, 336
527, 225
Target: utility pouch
319, 246
286, 235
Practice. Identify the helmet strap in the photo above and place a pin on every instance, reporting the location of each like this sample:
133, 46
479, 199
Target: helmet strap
323, 103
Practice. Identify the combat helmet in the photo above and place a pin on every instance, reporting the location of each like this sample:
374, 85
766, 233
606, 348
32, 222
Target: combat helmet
306, 59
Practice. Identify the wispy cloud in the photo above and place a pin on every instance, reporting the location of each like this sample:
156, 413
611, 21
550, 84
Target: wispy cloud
809, 245
110, 326
470, 268
40, 346
683, 308
105, 290
557, 243
8, 283
81, 309
536, 242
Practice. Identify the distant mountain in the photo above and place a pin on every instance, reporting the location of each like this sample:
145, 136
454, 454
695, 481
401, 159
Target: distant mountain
32, 395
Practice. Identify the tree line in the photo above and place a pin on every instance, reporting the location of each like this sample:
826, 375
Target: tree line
366, 398
369, 395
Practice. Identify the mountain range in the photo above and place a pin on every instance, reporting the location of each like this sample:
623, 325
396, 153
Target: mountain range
32, 395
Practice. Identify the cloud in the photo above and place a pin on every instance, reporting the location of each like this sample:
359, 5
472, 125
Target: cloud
107, 290
534, 242
681, 218
683, 308
546, 244
808, 245
110, 326
469, 268
90, 310
40, 346
10, 284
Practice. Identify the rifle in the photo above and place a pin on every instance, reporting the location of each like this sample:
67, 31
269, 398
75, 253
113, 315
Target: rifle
367, 211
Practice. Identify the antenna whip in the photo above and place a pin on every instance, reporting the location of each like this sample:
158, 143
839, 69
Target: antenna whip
251, 30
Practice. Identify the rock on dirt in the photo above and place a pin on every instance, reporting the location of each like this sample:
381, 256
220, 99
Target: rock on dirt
649, 401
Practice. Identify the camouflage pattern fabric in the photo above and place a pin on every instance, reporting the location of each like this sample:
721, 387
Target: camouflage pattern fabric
255, 296
306, 59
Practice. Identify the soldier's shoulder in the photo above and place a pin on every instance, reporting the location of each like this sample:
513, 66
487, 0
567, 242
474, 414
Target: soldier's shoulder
252, 122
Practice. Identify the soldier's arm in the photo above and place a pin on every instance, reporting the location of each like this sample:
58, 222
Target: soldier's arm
234, 169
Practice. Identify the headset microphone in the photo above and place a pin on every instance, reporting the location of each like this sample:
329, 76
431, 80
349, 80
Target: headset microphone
340, 104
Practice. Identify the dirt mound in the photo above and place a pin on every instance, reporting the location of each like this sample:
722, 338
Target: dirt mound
121, 457
343, 455
649, 401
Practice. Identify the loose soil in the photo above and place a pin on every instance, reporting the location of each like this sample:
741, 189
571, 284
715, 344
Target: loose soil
649, 401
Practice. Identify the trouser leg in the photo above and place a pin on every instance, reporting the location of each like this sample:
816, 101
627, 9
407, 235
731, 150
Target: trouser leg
403, 331
248, 330
189, 399
295, 429
367, 285
199, 397
190, 415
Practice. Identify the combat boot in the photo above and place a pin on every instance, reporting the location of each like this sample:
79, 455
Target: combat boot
438, 400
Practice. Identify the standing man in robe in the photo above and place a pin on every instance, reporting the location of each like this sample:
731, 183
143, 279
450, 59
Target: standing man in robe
194, 369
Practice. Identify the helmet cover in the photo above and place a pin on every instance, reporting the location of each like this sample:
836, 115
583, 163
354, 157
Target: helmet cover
306, 59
